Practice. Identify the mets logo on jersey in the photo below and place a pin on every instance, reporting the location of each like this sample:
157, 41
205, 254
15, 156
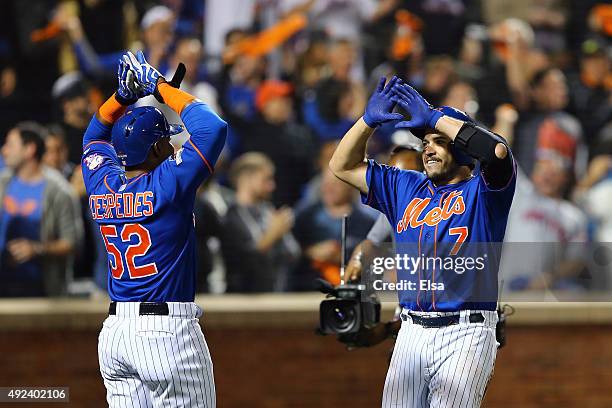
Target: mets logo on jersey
94, 161
414, 217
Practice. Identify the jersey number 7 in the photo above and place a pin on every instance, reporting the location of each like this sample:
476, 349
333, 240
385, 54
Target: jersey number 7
132, 251
462, 233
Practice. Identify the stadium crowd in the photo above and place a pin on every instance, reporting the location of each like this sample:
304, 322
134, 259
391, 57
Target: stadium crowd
291, 77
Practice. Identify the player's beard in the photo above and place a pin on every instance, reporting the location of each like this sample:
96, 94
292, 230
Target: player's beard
446, 172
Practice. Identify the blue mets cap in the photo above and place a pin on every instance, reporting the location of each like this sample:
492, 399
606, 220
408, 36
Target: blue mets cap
136, 131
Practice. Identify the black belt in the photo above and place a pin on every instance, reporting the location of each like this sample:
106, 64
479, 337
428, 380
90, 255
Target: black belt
145, 308
442, 321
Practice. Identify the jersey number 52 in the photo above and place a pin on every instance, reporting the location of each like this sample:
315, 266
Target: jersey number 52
132, 251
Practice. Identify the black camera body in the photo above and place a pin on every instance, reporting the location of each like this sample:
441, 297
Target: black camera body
347, 309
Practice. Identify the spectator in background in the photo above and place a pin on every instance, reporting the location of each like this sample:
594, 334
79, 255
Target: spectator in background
591, 88
471, 58
312, 63
462, 95
92, 259
548, 18
318, 230
157, 28
343, 20
212, 203
546, 127
515, 61
405, 53
209, 230
341, 59
39, 228
190, 16
444, 22
546, 234
189, 51
331, 110
71, 93
240, 80
221, 17
439, 74
56, 151
258, 246
10, 109
275, 133
157, 32
312, 190
35, 48
594, 190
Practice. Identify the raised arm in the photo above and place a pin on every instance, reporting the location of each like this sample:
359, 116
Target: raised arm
207, 130
348, 161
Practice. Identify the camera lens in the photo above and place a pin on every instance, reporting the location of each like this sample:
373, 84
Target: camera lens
341, 317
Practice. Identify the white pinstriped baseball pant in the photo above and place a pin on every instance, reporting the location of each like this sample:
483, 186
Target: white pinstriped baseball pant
156, 361
443, 367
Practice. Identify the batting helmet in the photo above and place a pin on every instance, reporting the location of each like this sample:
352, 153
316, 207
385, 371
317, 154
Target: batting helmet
136, 131
462, 158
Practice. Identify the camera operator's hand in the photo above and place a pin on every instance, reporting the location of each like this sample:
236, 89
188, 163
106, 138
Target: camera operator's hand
354, 269
360, 258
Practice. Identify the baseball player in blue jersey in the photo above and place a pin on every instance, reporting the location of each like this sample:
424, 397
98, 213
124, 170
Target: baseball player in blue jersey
141, 193
456, 209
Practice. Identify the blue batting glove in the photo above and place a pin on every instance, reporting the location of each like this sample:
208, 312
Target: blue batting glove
127, 92
146, 75
380, 105
422, 113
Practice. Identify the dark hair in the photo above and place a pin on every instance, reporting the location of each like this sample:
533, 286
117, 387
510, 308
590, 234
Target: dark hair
32, 132
539, 76
250, 162
56, 130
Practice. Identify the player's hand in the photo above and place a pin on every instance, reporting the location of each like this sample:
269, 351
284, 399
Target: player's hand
422, 113
23, 250
379, 108
127, 90
146, 75
148, 78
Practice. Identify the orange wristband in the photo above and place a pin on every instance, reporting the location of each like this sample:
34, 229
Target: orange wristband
111, 110
174, 97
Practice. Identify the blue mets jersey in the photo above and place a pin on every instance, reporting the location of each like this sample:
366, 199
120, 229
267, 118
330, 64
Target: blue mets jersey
448, 238
147, 222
